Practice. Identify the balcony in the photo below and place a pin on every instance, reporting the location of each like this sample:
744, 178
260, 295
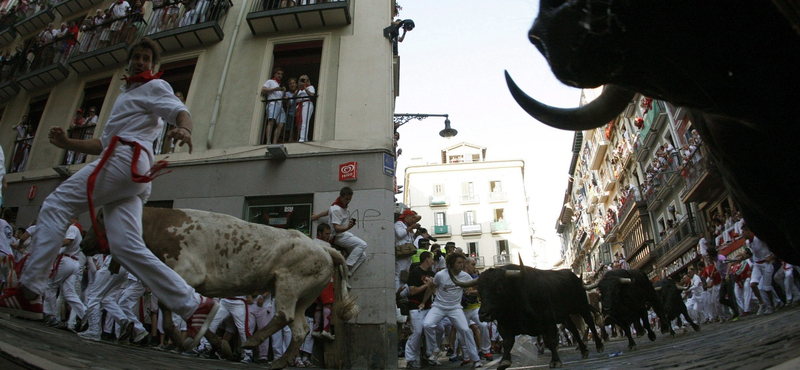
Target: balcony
82, 133
470, 199
35, 22
500, 227
676, 241
599, 151
501, 259
8, 89
69, 7
479, 262
22, 148
438, 201
471, 229
7, 36
441, 230
194, 29
291, 108
699, 182
47, 67
498, 197
653, 120
267, 16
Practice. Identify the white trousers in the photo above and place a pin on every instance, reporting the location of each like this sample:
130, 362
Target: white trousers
414, 342
129, 301
64, 278
400, 265
457, 318
122, 201
473, 318
355, 247
259, 318
234, 313
696, 308
305, 112
762, 274
73, 315
101, 295
308, 343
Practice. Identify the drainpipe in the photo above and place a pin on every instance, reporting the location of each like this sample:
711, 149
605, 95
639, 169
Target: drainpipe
218, 99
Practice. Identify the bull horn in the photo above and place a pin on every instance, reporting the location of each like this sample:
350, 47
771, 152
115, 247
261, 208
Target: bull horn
513, 273
521, 265
611, 102
625, 280
681, 287
463, 284
658, 289
591, 286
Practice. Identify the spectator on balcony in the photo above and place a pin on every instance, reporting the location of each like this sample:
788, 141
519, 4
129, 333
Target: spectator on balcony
696, 137
289, 134
737, 225
78, 120
156, 16
218, 8
105, 21
91, 117
173, 11
305, 107
135, 19
120, 10
46, 38
87, 34
276, 116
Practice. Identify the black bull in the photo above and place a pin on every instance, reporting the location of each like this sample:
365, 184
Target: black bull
533, 302
626, 296
730, 63
673, 303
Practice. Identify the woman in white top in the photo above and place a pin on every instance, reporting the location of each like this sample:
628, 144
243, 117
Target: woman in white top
305, 107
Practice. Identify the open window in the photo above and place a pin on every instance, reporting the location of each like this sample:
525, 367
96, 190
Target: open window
83, 125
290, 116
179, 75
26, 131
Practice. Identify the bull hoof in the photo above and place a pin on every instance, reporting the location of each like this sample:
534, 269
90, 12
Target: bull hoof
632, 348
696, 327
651, 336
600, 348
555, 364
279, 363
585, 354
503, 365
541, 350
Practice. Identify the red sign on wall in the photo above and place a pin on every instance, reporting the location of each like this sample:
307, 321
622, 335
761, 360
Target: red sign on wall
348, 171
32, 192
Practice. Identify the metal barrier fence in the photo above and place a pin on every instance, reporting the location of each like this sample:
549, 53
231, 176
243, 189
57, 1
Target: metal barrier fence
288, 120
261, 5
78, 132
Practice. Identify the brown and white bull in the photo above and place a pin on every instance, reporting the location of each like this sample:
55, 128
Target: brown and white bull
223, 256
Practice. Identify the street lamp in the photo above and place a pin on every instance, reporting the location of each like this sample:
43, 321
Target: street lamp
403, 118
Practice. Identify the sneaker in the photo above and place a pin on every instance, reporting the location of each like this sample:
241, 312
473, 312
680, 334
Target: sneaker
139, 337
413, 365
307, 363
13, 302
165, 348
89, 336
761, 308
434, 360
449, 352
768, 310
125, 333
454, 358
465, 362
488, 356
298, 363
191, 352
246, 358
477, 364
327, 335
198, 323
316, 334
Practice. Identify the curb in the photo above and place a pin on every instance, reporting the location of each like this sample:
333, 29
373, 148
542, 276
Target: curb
28, 359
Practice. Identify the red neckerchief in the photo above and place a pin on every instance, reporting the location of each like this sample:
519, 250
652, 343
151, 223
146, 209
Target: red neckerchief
276, 80
338, 202
143, 77
322, 239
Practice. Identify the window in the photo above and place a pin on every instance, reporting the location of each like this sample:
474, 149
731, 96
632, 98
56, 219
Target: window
438, 189
456, 159
179, 75
470, 218
495, 186
291, 212
472, 249
26, 130
502, 247
94, 94
662, 226
468, 192
476, 158
498, 215
439, 219
296, 60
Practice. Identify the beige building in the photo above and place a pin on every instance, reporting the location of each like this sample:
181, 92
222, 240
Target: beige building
478, 204
219, 56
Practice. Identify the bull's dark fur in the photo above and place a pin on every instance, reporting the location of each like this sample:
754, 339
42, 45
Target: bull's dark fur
732, 63
626, 304
533, 304
673, 304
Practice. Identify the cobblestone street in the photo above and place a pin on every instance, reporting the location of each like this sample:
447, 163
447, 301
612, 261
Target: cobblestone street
755, 342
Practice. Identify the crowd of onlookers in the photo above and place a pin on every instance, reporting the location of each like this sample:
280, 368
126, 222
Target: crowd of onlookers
289, 108
122, 21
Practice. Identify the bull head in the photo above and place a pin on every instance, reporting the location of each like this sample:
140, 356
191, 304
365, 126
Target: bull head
463, 284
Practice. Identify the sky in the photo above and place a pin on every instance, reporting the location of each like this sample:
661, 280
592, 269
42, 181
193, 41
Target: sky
452, 63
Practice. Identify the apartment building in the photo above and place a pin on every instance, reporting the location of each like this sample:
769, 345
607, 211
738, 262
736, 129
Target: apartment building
636, 192
479, 204
218, 55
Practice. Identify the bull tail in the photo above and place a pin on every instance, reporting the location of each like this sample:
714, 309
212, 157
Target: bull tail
344, 305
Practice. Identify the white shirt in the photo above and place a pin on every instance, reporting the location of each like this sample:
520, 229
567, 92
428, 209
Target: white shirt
73, 248
120, 10
448, 294
703, 244
759, 249
401, 234
135, 114
338, 216
6, 236
697, 286
271, 84
303, 94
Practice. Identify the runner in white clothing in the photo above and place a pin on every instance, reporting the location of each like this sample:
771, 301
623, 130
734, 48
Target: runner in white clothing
122, 178
448, 304
761, 279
